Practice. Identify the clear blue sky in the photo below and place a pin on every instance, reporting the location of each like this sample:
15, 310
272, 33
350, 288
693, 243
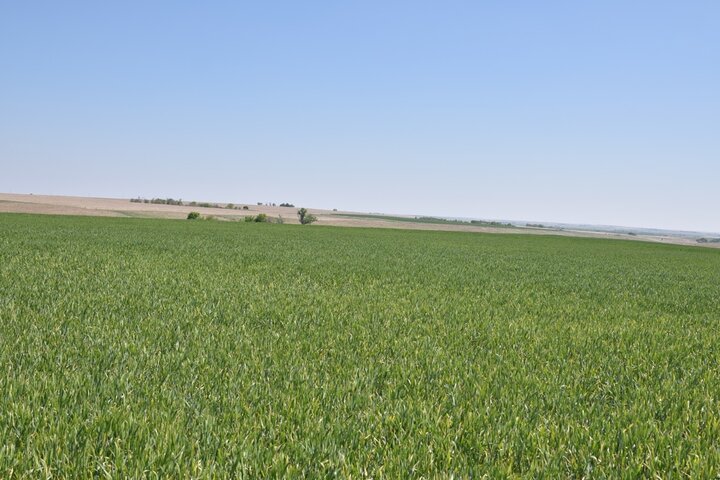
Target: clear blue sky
591, 112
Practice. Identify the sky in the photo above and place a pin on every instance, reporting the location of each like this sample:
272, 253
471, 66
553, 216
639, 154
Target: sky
598, 112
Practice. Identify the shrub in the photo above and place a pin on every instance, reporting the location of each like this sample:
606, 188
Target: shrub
245, 207
305, 217
261, 218
193, 215
249, 219
231, 206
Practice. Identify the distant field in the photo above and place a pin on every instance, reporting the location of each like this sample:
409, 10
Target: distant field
118, 207
136, 348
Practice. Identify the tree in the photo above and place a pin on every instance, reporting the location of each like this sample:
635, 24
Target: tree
305, 217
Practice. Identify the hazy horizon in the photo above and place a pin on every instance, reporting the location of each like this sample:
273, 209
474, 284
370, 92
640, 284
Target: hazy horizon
601, 114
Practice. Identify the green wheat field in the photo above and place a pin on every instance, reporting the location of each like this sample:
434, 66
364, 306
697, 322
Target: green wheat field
139, 348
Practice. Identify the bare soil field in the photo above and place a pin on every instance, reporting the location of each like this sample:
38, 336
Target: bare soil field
118, 207
123, 207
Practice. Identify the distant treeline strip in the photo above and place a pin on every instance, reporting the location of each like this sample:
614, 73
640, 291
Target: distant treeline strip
172, 201
432, 220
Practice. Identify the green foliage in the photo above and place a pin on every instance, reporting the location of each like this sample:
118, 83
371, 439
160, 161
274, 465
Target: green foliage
193, 215
137, 348
259, 218
305, 217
